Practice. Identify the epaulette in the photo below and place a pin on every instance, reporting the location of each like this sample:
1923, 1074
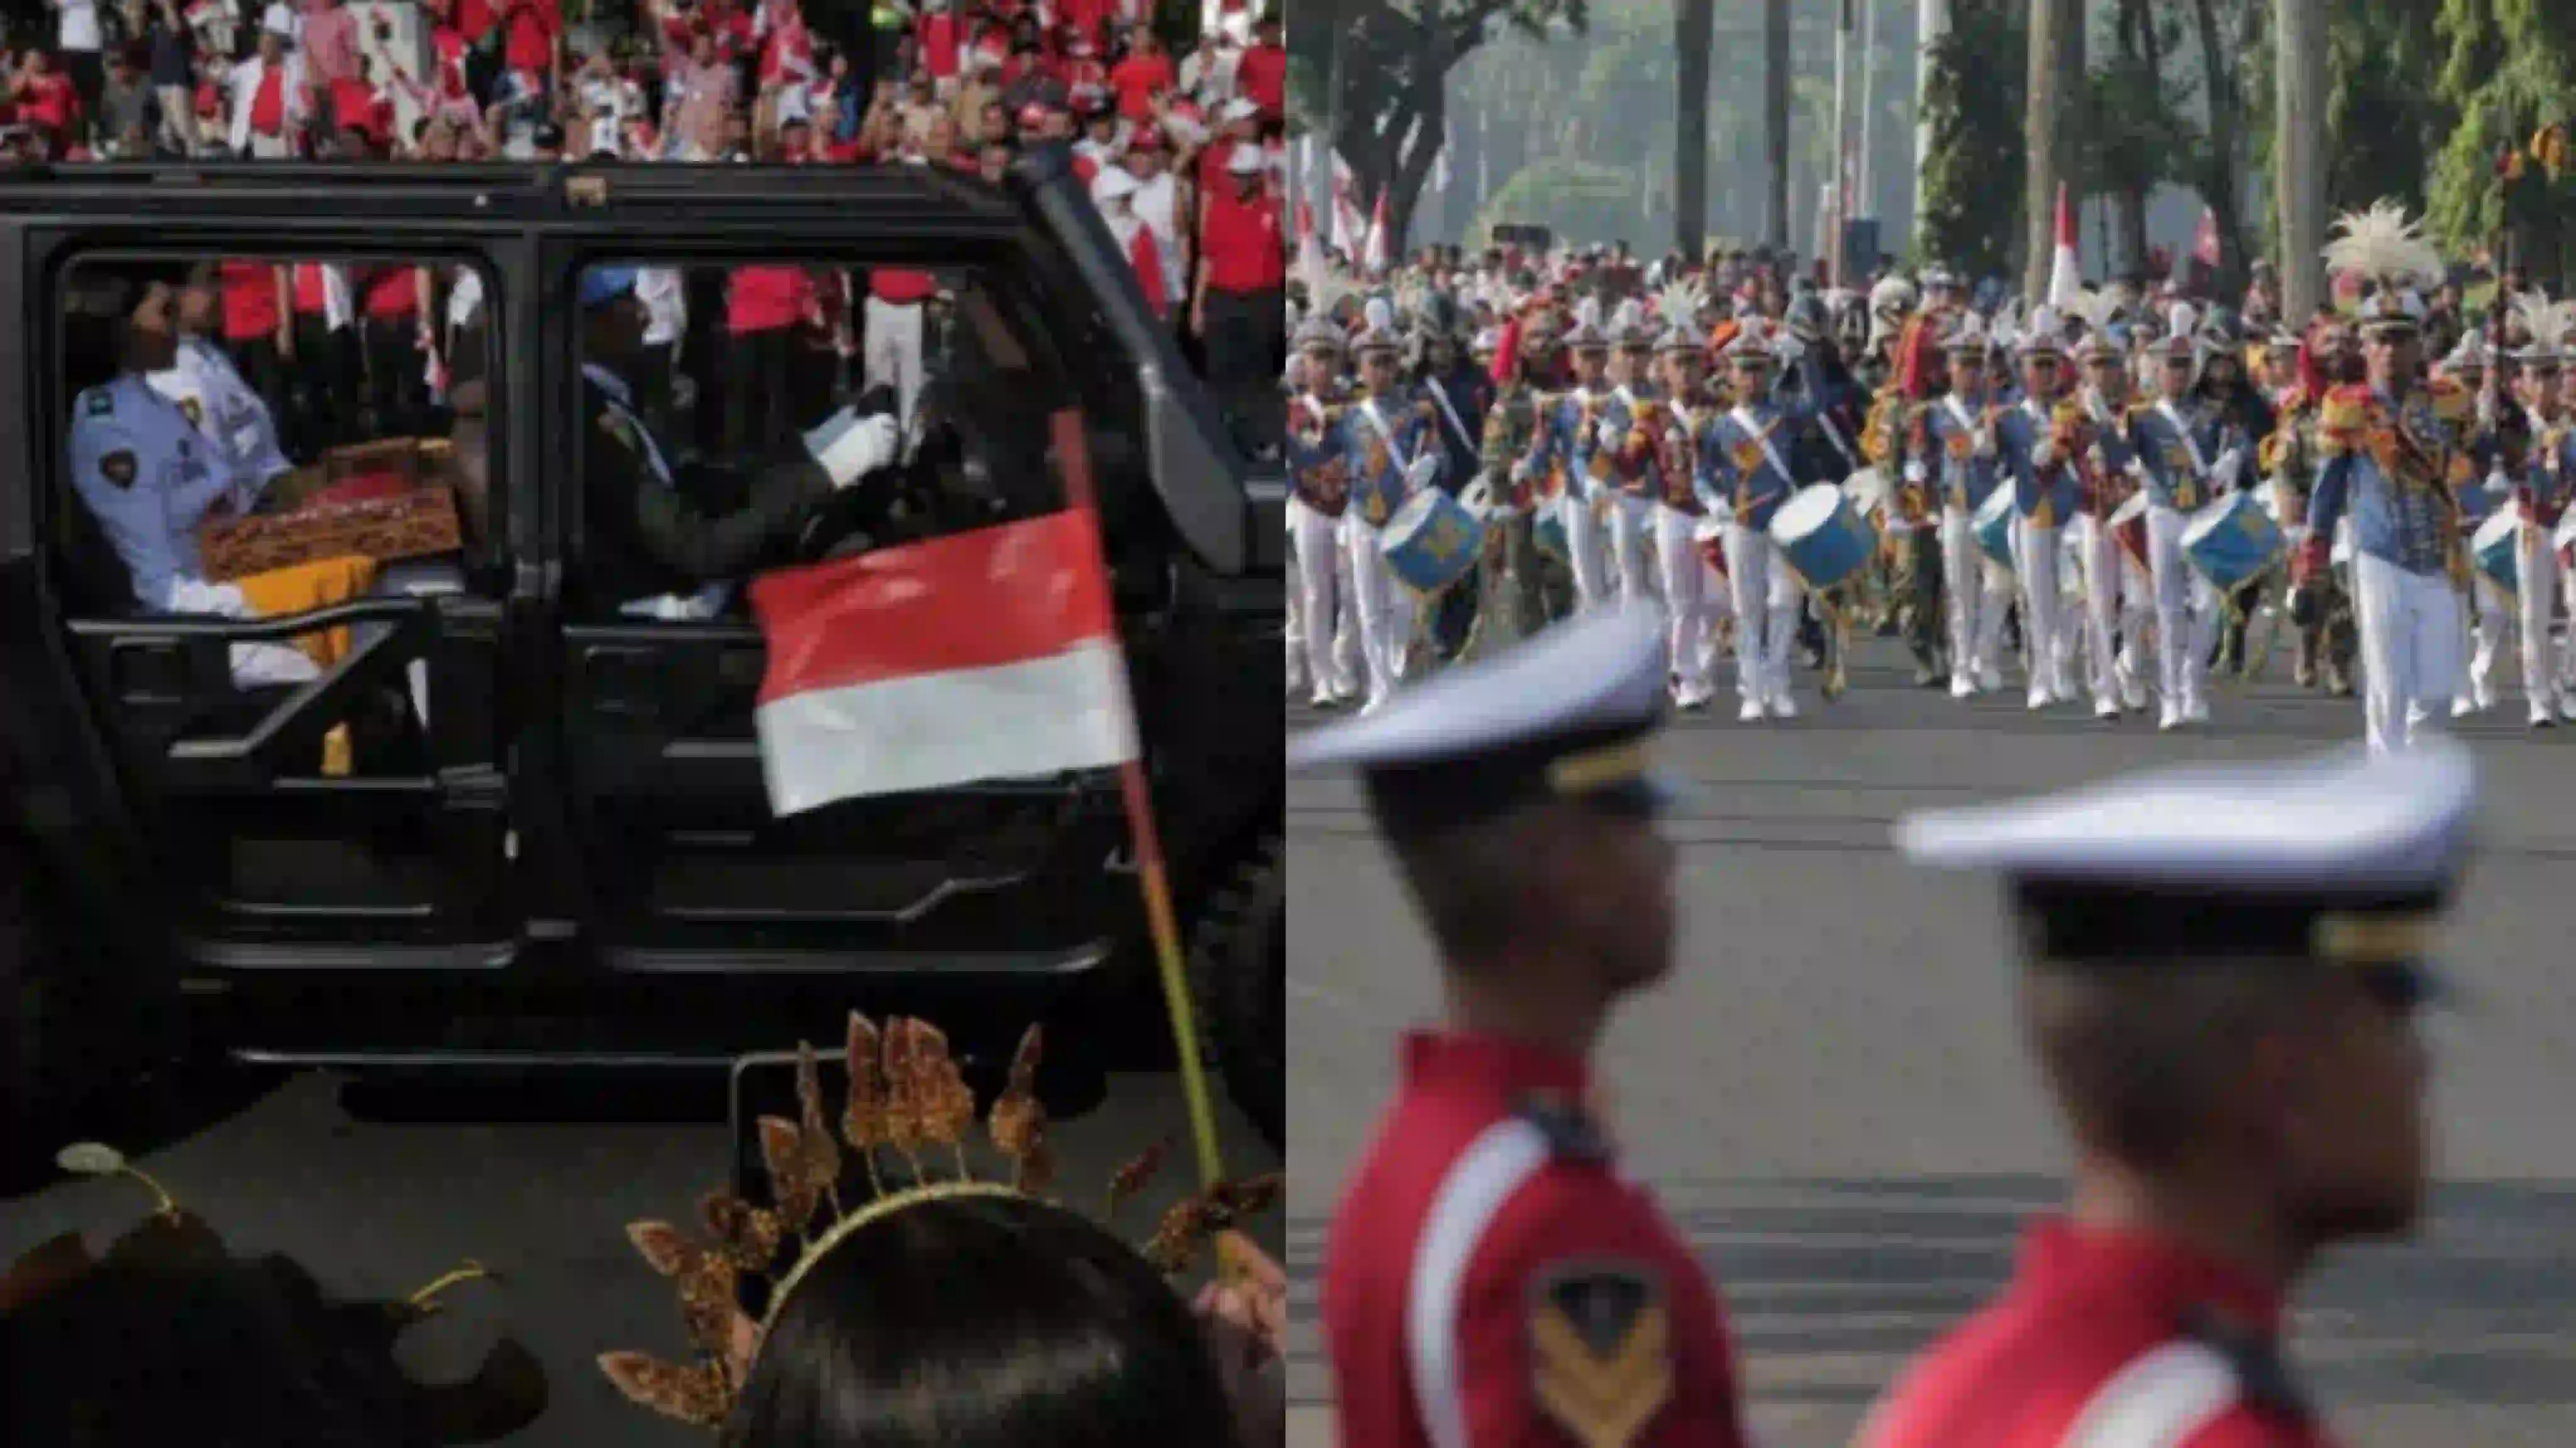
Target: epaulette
2347, 408
2263, 1379
1570, 1131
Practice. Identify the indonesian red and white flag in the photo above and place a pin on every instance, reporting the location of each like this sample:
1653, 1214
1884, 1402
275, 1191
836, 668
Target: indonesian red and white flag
1380, 243
2066, 273
991, 654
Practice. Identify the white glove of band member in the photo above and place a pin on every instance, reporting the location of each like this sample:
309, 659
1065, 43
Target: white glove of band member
1419, 474
1791, 352
1914, 473
850, 446
1610, 435
2223, 474
2045, 455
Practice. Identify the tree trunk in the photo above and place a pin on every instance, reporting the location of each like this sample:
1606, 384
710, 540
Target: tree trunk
2137, 45
2225, 182
1932, 21
2299, 180
1775, 120
1695, 32
2056, 84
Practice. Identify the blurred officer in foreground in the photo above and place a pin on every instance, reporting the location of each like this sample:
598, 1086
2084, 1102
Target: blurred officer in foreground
1491, 1278
2225, 969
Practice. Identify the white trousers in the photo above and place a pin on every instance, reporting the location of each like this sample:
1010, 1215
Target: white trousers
2110, 603
2529, 612
1385, 609
1325, 635
1586, 540
2411, 634
2486, 639
1632, 546
892, 352
1980, 590
1683, 574
2186, 611
2035, 556
1766, 612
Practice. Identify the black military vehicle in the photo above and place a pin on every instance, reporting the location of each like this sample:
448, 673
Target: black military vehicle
504, 825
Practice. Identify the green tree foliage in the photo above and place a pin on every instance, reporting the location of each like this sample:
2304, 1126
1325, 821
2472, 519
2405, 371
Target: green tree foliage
1972, 202
2386, 118
1385, 68
2510, 71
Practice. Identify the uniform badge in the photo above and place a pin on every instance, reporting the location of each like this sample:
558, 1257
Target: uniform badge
118, 467
101, 402
1601, 1352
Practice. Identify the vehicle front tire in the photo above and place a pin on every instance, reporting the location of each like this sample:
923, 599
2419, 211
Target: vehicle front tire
1240, 968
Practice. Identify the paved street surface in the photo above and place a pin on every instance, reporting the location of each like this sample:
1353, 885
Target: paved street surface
1830, 1097
379, 1200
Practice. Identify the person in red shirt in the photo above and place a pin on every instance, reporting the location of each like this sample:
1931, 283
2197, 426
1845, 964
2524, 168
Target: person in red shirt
1240, 309
1491, 1278
764, 307
1143, 78
397, 360
46, 99
324, 354
1262, 74
2224, 970
254, 329
532, 29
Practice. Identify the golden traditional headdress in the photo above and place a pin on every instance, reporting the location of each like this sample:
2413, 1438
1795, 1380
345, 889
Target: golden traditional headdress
906, 1095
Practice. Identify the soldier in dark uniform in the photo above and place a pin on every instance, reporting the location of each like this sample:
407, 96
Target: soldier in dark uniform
654, 551
1491, 1277
2225, 968
1460, 392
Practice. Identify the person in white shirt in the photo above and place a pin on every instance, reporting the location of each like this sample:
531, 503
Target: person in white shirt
1162, 201
78, 41
249, 78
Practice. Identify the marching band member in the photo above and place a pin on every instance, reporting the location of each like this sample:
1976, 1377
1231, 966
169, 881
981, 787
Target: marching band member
1318, 461
2394, 451
2320, 610
1744, 476
1515, 459
1897, 440
1678, 506
1956, 455
1632, 491
2471, 366
1456, 390
2186, 454
2116, 587
1825, 444
2547, 480
2026, 438
2226, 386
1573, 435
1393, 453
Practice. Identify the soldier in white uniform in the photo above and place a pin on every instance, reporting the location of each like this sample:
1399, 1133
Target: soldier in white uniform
1393, 453
1325, 650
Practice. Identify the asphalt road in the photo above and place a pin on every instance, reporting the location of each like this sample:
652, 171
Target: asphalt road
1830, 1098
378, 1191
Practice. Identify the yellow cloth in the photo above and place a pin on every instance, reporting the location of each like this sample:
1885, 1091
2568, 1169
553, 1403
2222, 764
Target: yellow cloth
308, 586
300, 589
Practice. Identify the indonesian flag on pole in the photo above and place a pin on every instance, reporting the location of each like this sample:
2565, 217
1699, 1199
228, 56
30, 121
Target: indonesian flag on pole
2204, 240
2066, 274
1310, 248
1378, 240
991, 654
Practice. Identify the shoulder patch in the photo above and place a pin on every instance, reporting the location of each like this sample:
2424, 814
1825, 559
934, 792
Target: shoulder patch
1601, 1350
2262, 1377
119, 467
1571, 1131
97, 402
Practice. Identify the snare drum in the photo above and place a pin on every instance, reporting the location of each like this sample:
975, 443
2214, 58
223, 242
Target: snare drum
2232, 540
1823, 536
2129, 528
1993, 525
1432, 541
2497, 547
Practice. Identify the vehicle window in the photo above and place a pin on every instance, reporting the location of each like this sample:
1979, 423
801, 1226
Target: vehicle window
260, 435
742, 417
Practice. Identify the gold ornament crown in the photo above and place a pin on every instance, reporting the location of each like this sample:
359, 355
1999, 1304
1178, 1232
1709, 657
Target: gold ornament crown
907, 1095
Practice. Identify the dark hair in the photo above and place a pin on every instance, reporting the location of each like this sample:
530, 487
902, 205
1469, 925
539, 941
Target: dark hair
982, 1322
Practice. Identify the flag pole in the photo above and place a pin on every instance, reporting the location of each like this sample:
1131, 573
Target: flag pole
1074, 453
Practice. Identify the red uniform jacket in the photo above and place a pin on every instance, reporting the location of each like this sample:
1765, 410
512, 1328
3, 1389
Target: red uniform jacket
2104, 1339
1492, 1280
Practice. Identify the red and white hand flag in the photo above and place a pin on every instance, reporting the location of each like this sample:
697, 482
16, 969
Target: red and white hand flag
991, 654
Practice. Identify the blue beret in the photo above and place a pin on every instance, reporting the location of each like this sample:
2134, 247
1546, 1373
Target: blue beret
603, 284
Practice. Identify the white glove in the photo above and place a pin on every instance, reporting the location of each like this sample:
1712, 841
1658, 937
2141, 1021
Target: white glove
1419, 474
850, 447
2224, 473
1791, 352
1610, 435
1524, 470
1914, 473
2499, 485
2045, 455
